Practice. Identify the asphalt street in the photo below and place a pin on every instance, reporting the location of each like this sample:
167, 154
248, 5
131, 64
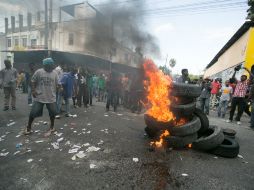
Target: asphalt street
115, 154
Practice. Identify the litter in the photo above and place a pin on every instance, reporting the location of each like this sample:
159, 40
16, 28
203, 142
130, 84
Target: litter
4, 154
92, 166
79, 134
119, 114
23, 179
88, 132
74, 116
55, 145
7, 133
1, 139
19, 145
86, 144
39, 141
73, 124
61, 128
60, 140
11, 120
135, 159
45, 123
245, 162
30, 160
76, 146
10, 124
67, 143
3, 150
18, 136
58, 134
65, 125
3, 136
74, 150
240, 156
74, 131
16, 152
215, 157
81, 154
40, 160
37, 131
36, 124
73, 157
101, 142
185, 175
84, 129
106, 115
89, 124
92, 149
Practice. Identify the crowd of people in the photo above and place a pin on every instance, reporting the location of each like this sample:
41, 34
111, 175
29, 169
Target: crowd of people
54, 85
232, 94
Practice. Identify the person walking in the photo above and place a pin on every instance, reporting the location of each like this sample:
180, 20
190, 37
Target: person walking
44, 84
226, 93
216, 86
205, 95
8, 78
29, 75
101, 87
238, 99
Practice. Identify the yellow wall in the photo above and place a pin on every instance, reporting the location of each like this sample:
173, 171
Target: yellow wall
249, 60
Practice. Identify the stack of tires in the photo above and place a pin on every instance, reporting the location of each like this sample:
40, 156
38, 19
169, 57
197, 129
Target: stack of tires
197, 130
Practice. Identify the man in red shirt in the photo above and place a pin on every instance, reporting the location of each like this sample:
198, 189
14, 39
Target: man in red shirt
238, 98
215, 90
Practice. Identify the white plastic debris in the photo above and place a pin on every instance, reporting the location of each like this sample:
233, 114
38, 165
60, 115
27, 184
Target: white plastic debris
65, 125
88, 132
84, 129
74, 150
37, 131
40, 160
4, 154
18, 136
135, 159
240, 156
45, 123
76, 146
3, 150
55, 145
89, 124
7, 132
215, 157
81, 154
73, 157
86, 144
74, 131
67, 143
10, 124
92, 149
106, 115
74, 116
58, 134
185, 175
92, 166
16, 152
40, 141
101, 142
3, 136
60, 140
1, 139
61, 128
119, 114
11, 120
30, 160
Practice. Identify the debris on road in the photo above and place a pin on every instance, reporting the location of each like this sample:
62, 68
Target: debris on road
10, 124
30, 160
88, 132
92, 166
68, 143
215, 157
89, 124
101, 142
119, 114
73, 157
58, 134
73, 150
60, 140
16, 152
18, 145
3, 150
106, 115
65, 125
4, 154
45, 123
40, 141
55, 145
18, 136
81, 154
135, 159
92, 149
185, 175
86, 144
240, 156
104, 130
1, 139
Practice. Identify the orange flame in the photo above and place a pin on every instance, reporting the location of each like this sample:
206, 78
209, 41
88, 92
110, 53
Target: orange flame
158, 92
159, 143
189, 145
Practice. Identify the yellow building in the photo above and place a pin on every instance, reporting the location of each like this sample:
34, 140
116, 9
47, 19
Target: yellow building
239, 50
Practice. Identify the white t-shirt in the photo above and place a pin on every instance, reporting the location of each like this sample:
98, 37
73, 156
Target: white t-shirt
226, 91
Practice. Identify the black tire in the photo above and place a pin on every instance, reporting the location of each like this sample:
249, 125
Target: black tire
229, 132
185, 90
180, 142
152, 132
152, 122
183, 100
212, 138
183, 110
229, 148
204, 121
187, 129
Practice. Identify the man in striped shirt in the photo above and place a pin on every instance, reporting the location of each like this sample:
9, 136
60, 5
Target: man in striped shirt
238, 98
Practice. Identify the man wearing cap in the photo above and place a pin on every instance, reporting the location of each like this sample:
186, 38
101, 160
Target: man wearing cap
44, 84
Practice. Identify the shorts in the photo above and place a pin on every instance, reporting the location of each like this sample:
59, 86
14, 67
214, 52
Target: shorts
37, 109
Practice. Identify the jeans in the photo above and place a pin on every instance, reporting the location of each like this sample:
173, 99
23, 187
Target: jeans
10, 91
67, 105
223, 105
59, 102
240, 103
213, 99
112, 100
29, 95
252, 115
204, 105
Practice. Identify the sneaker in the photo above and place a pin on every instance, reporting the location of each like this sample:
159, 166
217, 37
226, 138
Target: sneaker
67, 115
57, 116
238, 122
6, 108
229, 121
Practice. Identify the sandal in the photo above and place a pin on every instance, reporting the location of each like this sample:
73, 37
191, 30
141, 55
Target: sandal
27, 132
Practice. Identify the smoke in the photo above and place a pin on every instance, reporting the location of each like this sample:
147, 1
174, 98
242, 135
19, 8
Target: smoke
121, 23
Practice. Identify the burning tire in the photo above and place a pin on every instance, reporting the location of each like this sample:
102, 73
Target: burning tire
180, 142
183, 110
229, 148
153, 123
185, 90
229, 133
183, 100
152, 132
211, 138
204, 121
187, 129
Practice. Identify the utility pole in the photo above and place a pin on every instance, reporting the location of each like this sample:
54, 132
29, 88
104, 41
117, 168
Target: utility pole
46, 25
50, 26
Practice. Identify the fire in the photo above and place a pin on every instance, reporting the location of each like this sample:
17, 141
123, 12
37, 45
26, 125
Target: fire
159, 143
189, 145
158, 92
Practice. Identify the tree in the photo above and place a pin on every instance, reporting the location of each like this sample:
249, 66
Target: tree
165, 70
172, 62
250, 11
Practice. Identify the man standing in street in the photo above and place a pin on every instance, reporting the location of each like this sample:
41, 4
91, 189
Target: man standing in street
185, 77
29, 75
8, 78
238, 97
216, 86
44, 85
205, 96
